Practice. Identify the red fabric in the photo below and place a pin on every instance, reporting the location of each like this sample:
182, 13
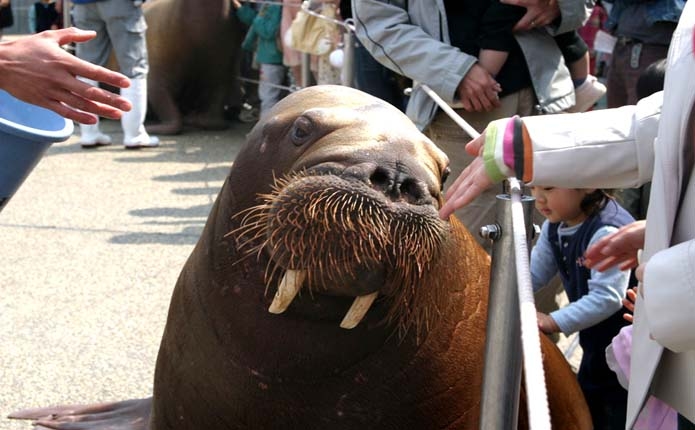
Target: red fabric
588, 32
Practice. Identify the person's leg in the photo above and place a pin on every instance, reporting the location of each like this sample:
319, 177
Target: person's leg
587, 89
375, 79
579, 70
96, 51
616, 95
126, 27
576, 55
269, 91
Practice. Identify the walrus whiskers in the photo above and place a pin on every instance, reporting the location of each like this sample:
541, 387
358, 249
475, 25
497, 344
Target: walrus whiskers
319, 226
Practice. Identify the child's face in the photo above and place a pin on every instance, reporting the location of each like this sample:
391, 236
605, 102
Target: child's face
560, 204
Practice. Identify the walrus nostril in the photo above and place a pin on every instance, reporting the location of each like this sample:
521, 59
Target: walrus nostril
382, 180
411, 190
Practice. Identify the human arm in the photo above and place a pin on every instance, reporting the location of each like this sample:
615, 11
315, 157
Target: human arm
37, 70
245, 12
542, 263
420, 53
668, 287
559, 16
619, 248
616, 151
606, 291
267, 23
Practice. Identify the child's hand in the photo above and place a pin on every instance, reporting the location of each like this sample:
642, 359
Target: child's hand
629, 303
546, 323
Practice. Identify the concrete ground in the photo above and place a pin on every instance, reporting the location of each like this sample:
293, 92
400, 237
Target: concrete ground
91, 246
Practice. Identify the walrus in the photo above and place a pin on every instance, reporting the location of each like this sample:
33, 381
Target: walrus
325, 291
194, 49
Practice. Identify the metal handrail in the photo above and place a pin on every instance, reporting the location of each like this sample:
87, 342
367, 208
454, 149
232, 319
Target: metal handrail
499, 402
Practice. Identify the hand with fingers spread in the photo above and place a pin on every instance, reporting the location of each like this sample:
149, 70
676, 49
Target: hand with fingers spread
478, 90
470, 183
620, 248
539, 13
37, 70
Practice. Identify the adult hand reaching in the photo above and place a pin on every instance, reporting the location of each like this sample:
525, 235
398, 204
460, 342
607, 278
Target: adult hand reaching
37, 70
619, 248
470, 183
478, 90
539, 13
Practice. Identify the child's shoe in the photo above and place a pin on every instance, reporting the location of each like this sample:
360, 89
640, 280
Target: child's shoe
587, 94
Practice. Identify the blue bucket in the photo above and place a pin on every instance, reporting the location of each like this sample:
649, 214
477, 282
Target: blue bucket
26, 132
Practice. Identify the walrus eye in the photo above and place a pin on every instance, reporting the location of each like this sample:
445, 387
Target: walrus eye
445, 176
301, 130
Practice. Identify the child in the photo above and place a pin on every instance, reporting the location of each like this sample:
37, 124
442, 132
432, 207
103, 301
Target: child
262, 38
576, 218
497, 40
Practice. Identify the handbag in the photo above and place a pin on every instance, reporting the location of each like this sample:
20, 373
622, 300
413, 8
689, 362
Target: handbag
6, 17
311, 34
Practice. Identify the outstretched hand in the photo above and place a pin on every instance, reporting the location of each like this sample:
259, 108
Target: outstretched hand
619, 248
470, 183
37, 70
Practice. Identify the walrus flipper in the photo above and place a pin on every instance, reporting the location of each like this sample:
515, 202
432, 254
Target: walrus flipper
125, 415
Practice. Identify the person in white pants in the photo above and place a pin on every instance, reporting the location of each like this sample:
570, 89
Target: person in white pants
121, 26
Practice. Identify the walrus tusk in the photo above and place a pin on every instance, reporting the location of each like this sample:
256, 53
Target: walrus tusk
287, 290
358, 309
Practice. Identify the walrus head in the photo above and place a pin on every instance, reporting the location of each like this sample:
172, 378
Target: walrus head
352, 212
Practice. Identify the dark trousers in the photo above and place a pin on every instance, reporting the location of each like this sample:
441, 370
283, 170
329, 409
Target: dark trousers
625, 68
377, 80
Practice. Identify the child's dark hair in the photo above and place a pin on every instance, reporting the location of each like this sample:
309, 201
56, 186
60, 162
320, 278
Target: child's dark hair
593, 202
651, 79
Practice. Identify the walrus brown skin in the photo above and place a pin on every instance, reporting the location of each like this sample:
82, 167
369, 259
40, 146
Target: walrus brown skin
327, 165
194, 51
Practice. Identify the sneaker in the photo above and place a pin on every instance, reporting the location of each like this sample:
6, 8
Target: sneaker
145, 141
248, 114
95, 140
587, 94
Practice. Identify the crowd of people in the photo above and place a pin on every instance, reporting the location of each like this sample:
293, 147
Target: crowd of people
523, 73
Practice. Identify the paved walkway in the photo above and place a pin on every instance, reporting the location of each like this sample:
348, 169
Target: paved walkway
91, 246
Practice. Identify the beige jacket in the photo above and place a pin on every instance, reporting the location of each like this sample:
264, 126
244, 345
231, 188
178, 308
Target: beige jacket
623, 147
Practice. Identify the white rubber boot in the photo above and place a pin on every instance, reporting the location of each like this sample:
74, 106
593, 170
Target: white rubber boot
90, 135
134, 133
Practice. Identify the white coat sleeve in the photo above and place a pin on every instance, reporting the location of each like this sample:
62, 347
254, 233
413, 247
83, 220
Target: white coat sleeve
608, 148
671, 310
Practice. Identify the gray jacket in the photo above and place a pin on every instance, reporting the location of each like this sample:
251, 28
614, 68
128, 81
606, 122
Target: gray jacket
411, 37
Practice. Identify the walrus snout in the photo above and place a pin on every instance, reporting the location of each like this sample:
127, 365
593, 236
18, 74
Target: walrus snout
394, 180
346, 236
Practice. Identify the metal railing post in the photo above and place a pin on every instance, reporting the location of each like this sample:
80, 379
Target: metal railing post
306, 70
499, 403
348, 73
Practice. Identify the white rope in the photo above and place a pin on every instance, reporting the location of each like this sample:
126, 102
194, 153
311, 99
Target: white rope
537, 398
